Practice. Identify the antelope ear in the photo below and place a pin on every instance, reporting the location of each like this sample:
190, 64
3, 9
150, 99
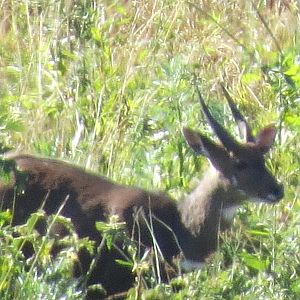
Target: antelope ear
193, 139
265, 139
215, 153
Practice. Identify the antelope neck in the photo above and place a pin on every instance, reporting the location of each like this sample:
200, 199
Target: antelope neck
214, 200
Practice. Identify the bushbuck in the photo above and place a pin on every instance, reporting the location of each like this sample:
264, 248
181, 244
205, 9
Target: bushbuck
188, 229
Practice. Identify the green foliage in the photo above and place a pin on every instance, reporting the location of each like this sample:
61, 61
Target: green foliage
27, 269
112, 231
108, 85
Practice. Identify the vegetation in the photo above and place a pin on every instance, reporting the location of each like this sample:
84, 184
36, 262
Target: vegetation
108, 86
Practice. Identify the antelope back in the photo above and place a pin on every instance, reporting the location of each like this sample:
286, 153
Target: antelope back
241, 164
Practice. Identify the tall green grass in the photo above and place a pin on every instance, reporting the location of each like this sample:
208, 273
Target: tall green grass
108, 85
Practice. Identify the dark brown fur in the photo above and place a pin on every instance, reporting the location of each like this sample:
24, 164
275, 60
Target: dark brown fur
91, 198
190, 229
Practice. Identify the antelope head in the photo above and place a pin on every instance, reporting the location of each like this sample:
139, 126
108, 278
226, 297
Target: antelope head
242, 164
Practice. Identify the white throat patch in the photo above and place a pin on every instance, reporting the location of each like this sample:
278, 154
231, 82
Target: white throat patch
190, 265
229, 212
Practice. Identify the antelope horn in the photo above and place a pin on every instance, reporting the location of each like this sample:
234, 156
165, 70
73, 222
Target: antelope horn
228, 142
244, 128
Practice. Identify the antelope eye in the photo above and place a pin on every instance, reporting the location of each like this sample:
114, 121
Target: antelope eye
240, 165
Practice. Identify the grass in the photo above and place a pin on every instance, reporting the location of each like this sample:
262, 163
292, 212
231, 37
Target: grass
108, 85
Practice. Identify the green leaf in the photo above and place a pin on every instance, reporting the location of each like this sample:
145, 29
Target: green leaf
124, 263
296, 287
34, 217
293, 70
5, 217
14, 70
259, 233
102, 226
254, 262
250, 78
66, 54
96, 34
15, 125
292, 120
